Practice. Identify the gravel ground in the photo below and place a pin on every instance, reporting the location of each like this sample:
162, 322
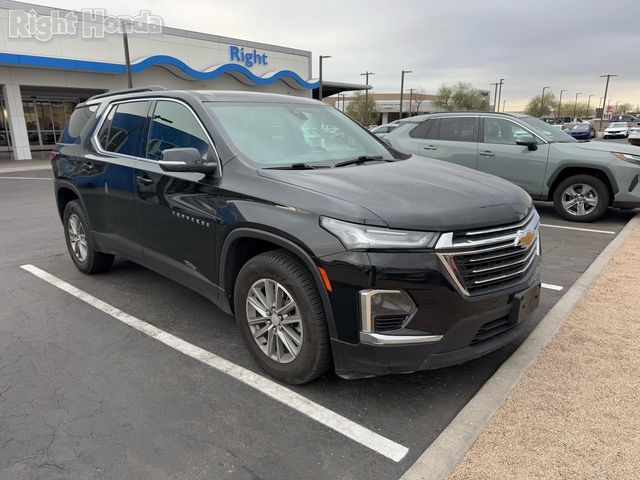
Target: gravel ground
576, 413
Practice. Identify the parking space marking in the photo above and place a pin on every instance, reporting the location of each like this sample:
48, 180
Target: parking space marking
26, 178
549, 286
609, 232
277, 392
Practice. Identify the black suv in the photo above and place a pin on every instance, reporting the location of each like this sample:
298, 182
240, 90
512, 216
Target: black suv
328, 246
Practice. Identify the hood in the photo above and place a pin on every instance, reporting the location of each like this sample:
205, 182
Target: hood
606, 147
616, 129
418, 193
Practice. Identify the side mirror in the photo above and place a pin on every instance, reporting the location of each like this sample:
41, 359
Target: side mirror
186, 160
527, 141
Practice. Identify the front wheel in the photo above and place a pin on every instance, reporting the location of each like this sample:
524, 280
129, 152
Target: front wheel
581, 198
281, 317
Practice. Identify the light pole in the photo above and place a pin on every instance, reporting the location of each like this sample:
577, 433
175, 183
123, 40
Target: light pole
320, 74
589, 104
411, 90
127, 59
500, 92
615, 110
575, 105
495, 95
402, 89
560, 104
542, 100
366, 92
606, 88
504, 102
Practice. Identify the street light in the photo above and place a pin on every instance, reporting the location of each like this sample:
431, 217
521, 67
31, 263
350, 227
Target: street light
500, 92
560, 104
589, 104
606, 88
320, 74
402, 89
542, 100
575, 105
366, 92
411, 90
615, 110
495, 95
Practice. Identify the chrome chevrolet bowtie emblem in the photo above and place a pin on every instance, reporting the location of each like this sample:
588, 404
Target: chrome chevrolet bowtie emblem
524, 238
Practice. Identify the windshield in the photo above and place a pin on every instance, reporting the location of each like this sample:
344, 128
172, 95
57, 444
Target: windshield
546, 131
283, 134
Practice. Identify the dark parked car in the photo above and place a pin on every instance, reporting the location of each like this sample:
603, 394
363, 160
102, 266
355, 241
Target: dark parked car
330, 248
582, 131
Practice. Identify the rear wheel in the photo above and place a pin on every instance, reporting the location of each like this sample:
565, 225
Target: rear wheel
281, 317
77, 232
581, 198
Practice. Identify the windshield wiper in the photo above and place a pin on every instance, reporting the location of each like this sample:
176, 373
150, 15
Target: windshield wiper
299, 166
362, 159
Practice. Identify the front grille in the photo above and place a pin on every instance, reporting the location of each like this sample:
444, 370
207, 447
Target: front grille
482, 261
491, 329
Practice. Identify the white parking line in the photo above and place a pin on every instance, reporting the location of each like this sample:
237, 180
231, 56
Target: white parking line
609, 232
549, 286
26, 178
340, 424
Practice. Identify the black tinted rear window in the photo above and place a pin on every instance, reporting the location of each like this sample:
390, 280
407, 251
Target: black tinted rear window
80, 119
124, 129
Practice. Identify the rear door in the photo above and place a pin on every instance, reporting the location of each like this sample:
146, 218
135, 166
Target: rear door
177, 212
453, 139
499, 154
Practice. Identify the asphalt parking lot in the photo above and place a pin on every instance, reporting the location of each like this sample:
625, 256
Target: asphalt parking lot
83, 395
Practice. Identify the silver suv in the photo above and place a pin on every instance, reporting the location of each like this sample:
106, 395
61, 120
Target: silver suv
582, 179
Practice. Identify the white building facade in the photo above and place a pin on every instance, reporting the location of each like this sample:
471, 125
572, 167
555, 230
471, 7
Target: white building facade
52, 59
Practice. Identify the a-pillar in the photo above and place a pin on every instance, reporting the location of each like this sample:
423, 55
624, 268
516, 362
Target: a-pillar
17, 123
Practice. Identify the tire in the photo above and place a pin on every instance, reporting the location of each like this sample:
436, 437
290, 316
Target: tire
313, 357
83, 254
595, 190
605, 137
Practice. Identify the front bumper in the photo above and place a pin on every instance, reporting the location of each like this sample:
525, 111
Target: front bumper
447, 328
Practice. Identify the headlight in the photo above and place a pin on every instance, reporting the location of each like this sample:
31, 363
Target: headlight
628, 157
362, 237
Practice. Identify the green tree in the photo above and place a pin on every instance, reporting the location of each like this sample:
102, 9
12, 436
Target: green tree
461, 96
363, 109
624, 108
535, 109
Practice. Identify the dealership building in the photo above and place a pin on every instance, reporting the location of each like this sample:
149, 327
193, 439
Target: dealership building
52, 59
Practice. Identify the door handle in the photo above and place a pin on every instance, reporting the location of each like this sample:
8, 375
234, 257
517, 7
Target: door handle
487, 153
144, 180
88, 166
430, 147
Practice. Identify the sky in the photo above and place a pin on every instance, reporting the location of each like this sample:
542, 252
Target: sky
564, 44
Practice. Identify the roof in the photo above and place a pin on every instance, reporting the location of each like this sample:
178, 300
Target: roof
421, 118
202, 95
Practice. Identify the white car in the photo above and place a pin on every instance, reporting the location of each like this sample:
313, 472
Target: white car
382, 131
634, 136
617, 129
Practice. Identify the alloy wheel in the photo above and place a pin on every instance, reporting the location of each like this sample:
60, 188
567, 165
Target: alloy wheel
77, 237
579, 199
274, 320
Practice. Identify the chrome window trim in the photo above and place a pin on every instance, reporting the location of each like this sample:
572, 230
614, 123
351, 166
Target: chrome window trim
111, 105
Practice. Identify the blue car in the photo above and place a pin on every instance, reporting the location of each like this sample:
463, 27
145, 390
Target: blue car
583, 131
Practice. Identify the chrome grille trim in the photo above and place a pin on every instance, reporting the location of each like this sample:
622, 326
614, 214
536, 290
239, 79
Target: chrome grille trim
463, 256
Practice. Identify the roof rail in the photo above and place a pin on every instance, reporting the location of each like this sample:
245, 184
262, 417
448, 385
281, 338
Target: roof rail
150, 88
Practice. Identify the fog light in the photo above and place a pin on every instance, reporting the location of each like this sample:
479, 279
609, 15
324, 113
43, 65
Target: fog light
387, 308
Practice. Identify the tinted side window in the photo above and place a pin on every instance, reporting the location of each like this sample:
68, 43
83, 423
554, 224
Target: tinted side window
80, 119
458, 129
426, 129
174, 126
502, 131
123, 129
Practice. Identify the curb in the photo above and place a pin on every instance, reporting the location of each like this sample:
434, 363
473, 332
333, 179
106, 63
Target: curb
26, 168
442, 456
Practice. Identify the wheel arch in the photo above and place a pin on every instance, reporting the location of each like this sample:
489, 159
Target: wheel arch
568, 170
244, 243
66, 192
